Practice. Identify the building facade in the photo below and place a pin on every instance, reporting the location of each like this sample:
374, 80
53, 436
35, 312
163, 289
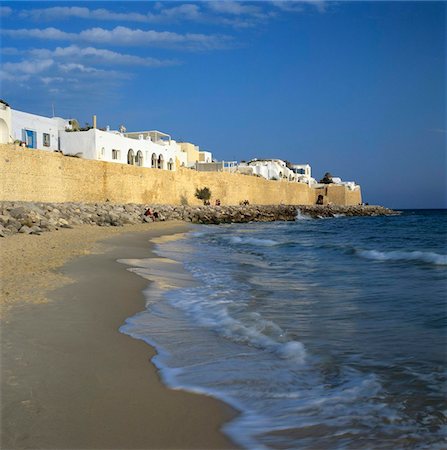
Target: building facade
112, 146
5, 123
37, 131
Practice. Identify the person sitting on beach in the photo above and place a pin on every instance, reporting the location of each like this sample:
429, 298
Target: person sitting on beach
217, 202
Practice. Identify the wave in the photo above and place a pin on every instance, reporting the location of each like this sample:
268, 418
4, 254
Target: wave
416, 256
302, 216
252, 241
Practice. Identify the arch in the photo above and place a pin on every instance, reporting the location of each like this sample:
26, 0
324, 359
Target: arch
4, 132
131, 157
170, 164
160, 164
154, 161
139, 158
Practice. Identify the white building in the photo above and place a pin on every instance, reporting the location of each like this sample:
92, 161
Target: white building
37, 131
5, 123
351, 185
145, 149
303, 173
205, 157
277, 169
271, 169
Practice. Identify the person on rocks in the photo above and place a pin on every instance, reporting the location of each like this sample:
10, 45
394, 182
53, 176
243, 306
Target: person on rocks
149, 213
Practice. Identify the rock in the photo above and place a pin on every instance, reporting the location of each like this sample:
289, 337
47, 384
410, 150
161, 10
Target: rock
25, 230
36, 230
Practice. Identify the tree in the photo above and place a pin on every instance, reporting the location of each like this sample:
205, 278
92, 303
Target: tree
327, 179
203, 194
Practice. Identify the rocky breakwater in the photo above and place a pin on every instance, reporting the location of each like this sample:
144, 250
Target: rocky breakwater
319, 211
35, 218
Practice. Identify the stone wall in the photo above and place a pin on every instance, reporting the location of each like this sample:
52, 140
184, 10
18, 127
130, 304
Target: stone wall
338, 195
35, 175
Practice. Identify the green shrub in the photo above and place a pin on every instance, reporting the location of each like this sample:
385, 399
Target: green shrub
203, 194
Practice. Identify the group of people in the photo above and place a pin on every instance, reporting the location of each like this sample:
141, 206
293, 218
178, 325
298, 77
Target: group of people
208, 203
152, 214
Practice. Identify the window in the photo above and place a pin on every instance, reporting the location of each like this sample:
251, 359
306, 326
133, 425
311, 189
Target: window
115, 154
46, 139
102, 153
170, 165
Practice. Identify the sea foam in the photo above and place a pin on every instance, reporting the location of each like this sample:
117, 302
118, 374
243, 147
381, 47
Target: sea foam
252, 241
416, 256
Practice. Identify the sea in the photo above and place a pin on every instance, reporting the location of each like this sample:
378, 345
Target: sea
321, 333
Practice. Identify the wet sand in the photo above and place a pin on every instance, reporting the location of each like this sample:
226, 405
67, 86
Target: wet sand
69, 379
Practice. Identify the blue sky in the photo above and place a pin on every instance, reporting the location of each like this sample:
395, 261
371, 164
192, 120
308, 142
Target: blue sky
354, 88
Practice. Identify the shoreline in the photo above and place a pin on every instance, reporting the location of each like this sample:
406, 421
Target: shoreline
70, 379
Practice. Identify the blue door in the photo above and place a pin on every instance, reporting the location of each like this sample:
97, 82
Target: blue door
31, 140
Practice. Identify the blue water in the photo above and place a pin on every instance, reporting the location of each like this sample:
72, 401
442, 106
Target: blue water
326, 333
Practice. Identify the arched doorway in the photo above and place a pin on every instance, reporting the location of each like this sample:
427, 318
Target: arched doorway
131, 157
170, 164
4, 132
160, 162
139, 158
154, 161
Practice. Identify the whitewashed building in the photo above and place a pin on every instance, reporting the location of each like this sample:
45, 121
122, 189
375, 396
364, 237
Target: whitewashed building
277, 169
37, 131
303, 173
144, 149
271, 169
5, 123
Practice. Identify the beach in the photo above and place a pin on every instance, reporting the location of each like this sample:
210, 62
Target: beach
69, 378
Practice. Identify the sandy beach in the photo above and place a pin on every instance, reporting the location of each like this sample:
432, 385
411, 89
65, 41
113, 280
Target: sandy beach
69, 378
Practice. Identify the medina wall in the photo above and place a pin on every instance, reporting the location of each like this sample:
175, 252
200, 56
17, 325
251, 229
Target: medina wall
34, 175
338, 195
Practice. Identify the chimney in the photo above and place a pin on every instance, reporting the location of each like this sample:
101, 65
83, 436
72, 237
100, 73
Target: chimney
94, 121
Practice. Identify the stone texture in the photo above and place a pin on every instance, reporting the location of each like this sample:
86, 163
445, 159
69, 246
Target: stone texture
35, 218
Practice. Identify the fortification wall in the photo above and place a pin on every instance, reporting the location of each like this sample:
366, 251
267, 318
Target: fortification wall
34, 175
338, 195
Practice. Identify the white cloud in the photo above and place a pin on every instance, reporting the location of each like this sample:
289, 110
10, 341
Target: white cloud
187, 11
99, 56
75, 67
234, 7
239, 14
45, 33
28, 67
52, 80
298, 6
128, 36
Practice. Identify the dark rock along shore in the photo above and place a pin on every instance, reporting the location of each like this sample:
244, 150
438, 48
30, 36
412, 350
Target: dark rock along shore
35, 218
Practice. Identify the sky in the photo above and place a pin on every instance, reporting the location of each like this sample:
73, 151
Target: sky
353, 88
